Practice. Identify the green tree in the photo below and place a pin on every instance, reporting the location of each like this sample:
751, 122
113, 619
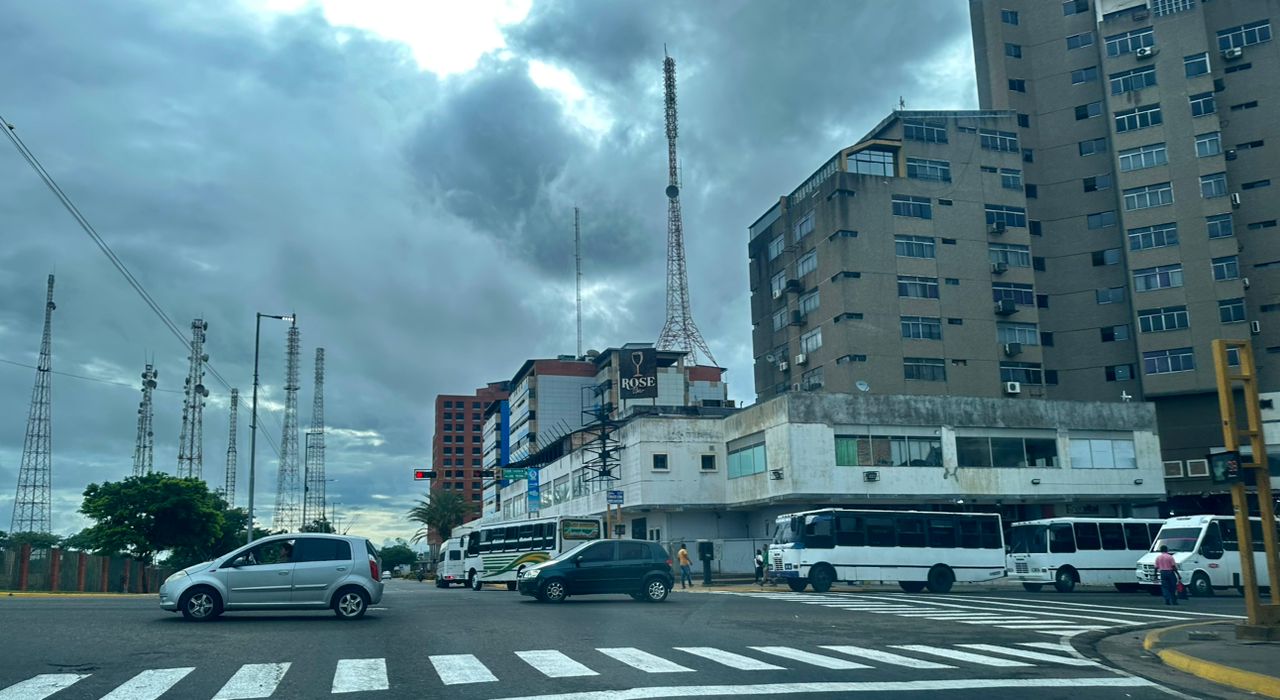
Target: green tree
318, 526
143, 515
441, 511
229, 538
37, 540
397, 554
85, 541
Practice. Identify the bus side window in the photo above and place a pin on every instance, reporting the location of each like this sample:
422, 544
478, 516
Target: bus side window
1112, 535
818, 533
880, 533
1087, 536
1211, 546
549, 536
525, 535
970, 537
1061, 539
850, 531
990, 534
1137, 536
911, 532
1225, 530
942, 533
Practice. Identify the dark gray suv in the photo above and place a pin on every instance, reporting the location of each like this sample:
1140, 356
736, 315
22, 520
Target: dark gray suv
638, 568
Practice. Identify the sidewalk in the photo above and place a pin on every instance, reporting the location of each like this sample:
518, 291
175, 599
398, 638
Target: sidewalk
1210, 650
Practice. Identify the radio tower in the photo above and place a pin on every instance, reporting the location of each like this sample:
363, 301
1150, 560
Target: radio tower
577, 261
229, 488
680, 332
286, 515
191, 442
31, 509
313, 498
145, 444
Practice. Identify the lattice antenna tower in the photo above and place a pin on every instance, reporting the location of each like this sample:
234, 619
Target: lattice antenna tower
679, 332
577, 261
287, 483
313, 499
229, 486
191, 441
31, 508
144, 445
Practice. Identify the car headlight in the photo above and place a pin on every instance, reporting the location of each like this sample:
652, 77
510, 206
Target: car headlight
532, 573
175, 576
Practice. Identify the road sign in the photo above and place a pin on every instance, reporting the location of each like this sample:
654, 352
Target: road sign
614, 498
515, 473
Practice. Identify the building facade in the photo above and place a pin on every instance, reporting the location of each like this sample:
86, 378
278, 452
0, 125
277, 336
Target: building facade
457, 451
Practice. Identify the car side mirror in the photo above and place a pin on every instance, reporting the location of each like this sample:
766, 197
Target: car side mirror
236, 563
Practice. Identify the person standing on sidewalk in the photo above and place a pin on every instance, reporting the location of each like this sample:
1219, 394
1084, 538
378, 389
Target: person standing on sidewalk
686, 571
760, 567
1167, 570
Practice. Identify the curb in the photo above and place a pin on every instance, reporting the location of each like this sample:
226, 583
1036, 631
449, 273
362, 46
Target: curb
37, 594
1248, 681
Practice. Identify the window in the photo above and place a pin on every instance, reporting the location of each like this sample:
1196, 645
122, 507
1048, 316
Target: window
925, 369
1196, 65
998, 140
922, 327
1259, 225
811, 341
1017, 85
1024, 120
1168, 318
660, 463
924, 169
1202, 104
708, 463
1028, 155
1219, 225
1062, 538
1250, 144
1168, 7
1093, 146
1010, 254
1097, 182
1009, 17
803, 227
905, 205
1010, 179
1024, 333
1079, 41
1208, 144
1119, 373
918, 287
776, 246
807, 263
1255, 184
1226, 268
1129, 42
1245, 35
1214, 185
1072, 7
1021, 294
1111, 295
1087, 537
777, 283
1110, 256
927, 130
1237, 68
746, 461
1143, 157
1157, 236
1102, 454
1132, 80
1244, 105
914, 246
1231, 310
1035, 228
809, 303
1101, 219
1111, 334
1138, 118
1137, 536
1168, 361
1024, 372
1148, 196
779, 319
1009, 216
1012, 50
872, 162
1088, 111
1161, 277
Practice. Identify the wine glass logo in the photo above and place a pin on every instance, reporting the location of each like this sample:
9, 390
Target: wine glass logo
637, 358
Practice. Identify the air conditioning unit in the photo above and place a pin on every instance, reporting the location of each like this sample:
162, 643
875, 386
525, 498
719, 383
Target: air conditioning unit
999, 268
1235, 199
1146, 52
783, 366
1013, 387
871, 476
1232, 53
1004, 307
1255, 327
802, 359
997, 227
795, 387
797, 318
777, 294
1012, 349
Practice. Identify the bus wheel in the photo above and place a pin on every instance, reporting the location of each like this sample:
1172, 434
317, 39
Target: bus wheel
821, 578
940, 579
476, 583
1200, 585
797, 584
1065, 580
911, 586
1032, 587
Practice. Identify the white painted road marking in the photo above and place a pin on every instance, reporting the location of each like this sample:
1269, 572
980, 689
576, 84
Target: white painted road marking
810, 658
960, 655
149, 684
554, 664
358, 675
1033, 655
41, 686
253, 681
885, 657
730, 659
455, 669
643, 660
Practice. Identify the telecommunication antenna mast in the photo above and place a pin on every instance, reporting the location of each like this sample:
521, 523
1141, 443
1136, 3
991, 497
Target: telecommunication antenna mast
191, 441
143, 448
680, 332
313, 499
577, 260
287, 486
229, 487
31, 508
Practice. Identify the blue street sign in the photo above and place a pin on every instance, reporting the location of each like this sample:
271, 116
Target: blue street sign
614, 498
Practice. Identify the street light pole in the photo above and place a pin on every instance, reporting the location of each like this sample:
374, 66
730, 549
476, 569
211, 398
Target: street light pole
253, 417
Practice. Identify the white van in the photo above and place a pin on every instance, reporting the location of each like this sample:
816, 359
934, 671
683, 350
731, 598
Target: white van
449, 569
1207, 550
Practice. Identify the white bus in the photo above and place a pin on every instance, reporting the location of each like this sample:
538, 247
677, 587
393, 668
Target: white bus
449, 569
499, 553
1207, 550
1069, 551
917, 549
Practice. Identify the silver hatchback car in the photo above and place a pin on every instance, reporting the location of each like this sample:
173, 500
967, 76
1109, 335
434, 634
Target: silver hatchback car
305, 571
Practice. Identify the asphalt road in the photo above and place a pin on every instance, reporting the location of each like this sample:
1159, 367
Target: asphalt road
423, 642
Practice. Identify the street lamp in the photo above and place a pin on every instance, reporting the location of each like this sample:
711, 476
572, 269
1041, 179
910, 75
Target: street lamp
253, 419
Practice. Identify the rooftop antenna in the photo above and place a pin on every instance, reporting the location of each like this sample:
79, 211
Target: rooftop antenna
32, 511
144, 446
902, 104
287, 486
577, 259
191, 441
229, 488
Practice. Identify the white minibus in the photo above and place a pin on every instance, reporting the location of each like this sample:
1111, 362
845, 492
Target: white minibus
449, 567
500, 552
1069, 551
1207, 550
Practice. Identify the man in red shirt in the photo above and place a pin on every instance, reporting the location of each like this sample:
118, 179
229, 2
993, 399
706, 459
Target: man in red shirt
1167, 569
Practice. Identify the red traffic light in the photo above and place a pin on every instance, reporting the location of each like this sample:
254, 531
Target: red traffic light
422, 474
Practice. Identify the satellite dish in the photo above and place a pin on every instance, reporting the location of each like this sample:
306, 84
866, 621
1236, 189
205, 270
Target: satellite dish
862, 386
204, 358
770, 358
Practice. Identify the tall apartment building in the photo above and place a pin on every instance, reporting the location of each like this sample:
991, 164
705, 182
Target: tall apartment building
457, 446
496, 446
1145, 125
903, 265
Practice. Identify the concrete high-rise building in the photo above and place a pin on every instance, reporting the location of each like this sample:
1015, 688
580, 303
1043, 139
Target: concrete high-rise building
1144, 125
457, 446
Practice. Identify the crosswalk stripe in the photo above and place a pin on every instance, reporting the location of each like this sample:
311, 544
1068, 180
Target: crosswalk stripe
1051, 646
643, 660
1122, 610
253, 681
886, 657
1033, 655
730, 659
357, 675
41, 686
554, 664
960, 655
456, 669
1052, 623
149, 684
810, 658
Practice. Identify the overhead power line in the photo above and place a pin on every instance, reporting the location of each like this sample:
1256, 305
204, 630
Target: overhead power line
99, 380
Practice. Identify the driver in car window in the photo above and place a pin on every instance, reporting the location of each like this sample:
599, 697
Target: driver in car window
286, 553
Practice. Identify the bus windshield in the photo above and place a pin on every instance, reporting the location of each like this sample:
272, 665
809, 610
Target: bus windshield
1178, 539
1028, 539
785, 534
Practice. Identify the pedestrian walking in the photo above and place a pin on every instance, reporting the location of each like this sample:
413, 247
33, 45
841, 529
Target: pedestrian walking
686, 570
760, 567
1167, 570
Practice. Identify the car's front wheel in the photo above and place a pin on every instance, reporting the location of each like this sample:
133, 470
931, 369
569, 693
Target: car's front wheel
350, 603
553, 591
656, 590
200, 604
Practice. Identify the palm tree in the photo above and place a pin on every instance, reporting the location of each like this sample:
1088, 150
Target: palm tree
441, 511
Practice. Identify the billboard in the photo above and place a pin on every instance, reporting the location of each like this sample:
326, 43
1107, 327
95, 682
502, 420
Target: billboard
638, 374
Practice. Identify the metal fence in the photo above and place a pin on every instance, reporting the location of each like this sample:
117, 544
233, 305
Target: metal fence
55, 570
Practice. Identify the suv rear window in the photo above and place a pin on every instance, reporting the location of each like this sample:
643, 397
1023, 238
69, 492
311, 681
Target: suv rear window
630, 551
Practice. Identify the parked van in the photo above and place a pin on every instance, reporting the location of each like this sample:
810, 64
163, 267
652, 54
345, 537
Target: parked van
1207, 550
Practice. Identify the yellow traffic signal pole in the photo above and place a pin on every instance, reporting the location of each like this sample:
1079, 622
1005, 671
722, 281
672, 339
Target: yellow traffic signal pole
1263, 619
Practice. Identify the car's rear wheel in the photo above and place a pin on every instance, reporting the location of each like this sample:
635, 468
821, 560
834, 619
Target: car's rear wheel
656, 590
553, 591
200, 604
351, 603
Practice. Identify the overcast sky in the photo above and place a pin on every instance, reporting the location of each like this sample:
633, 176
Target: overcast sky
402, 175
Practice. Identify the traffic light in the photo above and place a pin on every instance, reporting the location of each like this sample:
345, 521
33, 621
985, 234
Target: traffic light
487, 473
423, 474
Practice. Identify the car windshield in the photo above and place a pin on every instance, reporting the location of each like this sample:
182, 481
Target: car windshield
573, 552
1028, 539
1178, 539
